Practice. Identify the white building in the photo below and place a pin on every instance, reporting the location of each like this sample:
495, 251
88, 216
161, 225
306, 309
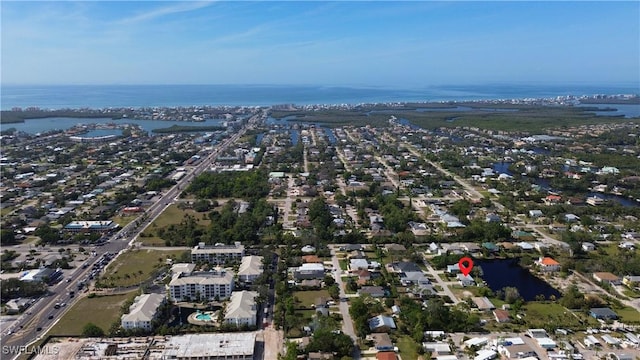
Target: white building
250, 268
201, 285
309, 271
143, 311
242, 309
220, 346
217, 254
184, 268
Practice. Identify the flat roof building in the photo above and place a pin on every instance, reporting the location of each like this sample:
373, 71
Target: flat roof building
91, 226
209, 285
212, 346
217, 254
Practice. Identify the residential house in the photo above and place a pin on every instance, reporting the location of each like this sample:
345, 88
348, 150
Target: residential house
571, 218
242, 309
483, 303
364, 275
309, 271
587, 246
603, 313
519, 351
453, 269
535, 213
418, 229
627, 245
631, 280
465, 280
373, 291
548, 264
436, 348
394, 248
386, 355
143, 312
607, 278
552, 199
381, 323
502, 316
381, 341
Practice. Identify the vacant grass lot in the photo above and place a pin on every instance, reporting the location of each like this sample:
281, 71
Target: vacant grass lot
124, 220
100, 310
628, 315
408, 348
136, 266
172, 215
308, 298
539, 315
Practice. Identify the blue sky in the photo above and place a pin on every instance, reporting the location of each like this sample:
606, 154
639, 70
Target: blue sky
382, 44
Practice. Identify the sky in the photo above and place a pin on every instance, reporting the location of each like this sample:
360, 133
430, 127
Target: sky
352, 43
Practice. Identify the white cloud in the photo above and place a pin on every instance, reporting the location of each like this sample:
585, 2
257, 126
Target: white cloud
164, 11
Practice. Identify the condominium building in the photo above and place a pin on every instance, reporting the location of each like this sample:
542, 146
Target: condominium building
250, 268
143, 311
206, 285
242, 309
218, 254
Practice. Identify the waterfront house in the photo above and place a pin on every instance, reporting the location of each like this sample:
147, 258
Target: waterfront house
548, 264
465, 280
502, 316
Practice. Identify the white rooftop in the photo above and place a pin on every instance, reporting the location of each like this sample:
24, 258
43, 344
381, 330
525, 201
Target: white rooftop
211, 345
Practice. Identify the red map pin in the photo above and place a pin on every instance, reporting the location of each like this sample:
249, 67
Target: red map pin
465, 264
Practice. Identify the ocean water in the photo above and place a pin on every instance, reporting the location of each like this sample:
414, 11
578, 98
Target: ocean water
104, 96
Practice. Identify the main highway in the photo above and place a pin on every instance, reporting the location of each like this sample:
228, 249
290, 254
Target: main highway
42, 314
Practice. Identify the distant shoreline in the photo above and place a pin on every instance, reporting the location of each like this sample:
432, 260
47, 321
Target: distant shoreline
19, 116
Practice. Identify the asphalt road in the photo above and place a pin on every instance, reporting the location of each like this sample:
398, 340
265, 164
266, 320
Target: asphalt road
24, 331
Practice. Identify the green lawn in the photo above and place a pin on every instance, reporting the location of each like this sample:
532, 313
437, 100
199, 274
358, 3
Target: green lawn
343, 264
308, 298
123, 220
632, 294
172, 215
540, 315
628, 315
100, 310
408, 348
136, 266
